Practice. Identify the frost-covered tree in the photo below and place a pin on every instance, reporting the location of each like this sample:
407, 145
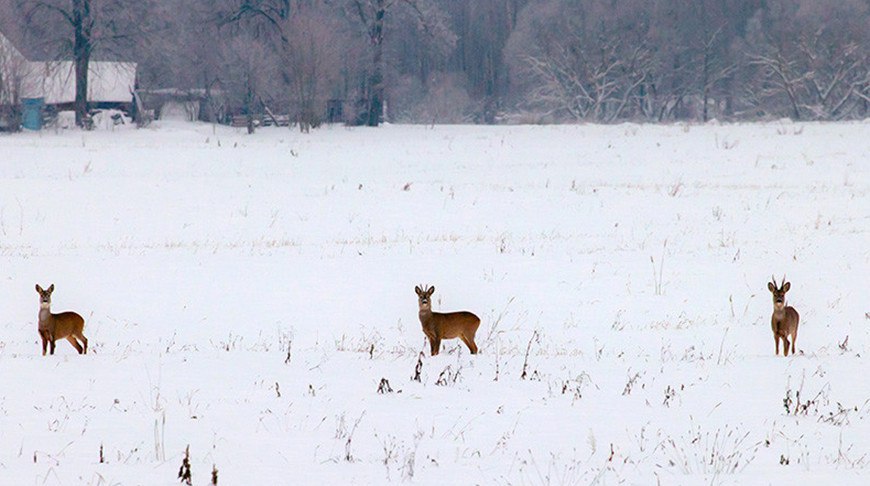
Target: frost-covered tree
811, 59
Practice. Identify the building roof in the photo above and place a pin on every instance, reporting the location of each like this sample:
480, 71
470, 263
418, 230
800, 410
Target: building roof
54, 81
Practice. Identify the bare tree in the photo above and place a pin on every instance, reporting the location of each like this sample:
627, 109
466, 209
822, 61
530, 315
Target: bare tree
81, 28
818, 66
184, 51
483, 29
573, 69
251, 55
838, 75
250, 73
301, 44
311, 61
714, 69
781, 77
81, 19
372, 15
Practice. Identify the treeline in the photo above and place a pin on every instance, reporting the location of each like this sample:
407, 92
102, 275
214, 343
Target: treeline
484, 61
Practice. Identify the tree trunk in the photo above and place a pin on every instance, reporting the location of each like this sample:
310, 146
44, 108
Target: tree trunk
249, 104
81, 57
706, 82
376, 80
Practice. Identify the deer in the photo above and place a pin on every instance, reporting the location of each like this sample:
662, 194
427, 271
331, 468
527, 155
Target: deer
438, 326
784, 320
66, 325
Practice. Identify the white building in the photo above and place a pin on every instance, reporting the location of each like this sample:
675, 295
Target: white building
54, 81
109, 83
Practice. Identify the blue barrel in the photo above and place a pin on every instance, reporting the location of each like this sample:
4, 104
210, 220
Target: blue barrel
32, 116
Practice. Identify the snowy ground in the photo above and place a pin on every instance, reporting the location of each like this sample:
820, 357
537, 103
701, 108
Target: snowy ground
246, 295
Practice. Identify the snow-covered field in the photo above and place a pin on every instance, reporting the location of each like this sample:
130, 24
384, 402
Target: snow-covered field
246, 295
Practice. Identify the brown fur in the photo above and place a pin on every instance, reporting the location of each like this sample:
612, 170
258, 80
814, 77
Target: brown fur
438, 326
785, 319
66, 325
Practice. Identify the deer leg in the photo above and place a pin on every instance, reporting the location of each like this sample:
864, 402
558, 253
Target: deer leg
776, 340
465, 340
785, 345
793, 341
84, 341
51, 343
436, 345
470, 343
44, 336
75, 343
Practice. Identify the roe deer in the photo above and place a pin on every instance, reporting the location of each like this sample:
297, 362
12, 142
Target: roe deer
438, 326
784, 320
52, 327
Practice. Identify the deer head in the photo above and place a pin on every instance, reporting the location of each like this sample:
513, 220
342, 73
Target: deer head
424, 297
44, 295
778, 292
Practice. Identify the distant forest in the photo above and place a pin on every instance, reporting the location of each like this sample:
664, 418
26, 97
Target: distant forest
480, 61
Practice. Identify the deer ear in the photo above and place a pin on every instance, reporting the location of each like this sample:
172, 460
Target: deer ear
418, 290
38, 288
431, 290
771, 287
786, 286
51, 288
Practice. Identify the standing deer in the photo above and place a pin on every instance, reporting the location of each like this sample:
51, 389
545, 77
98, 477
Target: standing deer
438, 326
52, 327
784, 320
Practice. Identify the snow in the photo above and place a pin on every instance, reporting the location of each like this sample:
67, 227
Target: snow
245, 295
